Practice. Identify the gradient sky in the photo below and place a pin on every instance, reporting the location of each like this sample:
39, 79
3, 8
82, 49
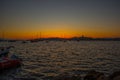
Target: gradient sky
24, 19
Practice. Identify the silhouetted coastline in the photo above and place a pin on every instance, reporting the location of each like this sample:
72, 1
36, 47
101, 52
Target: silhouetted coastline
64, 39
82, 38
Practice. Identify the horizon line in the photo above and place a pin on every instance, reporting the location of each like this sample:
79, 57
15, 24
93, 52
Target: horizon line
59, 38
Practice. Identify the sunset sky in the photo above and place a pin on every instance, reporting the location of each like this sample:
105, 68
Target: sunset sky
26, 19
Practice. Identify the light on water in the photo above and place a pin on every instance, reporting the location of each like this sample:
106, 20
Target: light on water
43, 59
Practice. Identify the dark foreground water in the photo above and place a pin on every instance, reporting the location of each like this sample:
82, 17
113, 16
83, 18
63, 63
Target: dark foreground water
44, 59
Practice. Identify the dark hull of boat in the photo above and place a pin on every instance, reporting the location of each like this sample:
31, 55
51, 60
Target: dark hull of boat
7, 64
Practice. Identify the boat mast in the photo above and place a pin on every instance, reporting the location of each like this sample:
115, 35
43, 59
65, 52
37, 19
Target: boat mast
3, 35
40, 35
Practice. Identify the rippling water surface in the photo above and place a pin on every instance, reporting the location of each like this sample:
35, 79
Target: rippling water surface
43, 59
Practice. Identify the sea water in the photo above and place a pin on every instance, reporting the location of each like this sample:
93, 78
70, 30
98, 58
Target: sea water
51, 58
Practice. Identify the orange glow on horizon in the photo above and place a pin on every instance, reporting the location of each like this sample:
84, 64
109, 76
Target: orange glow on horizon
57, 35
60, 30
